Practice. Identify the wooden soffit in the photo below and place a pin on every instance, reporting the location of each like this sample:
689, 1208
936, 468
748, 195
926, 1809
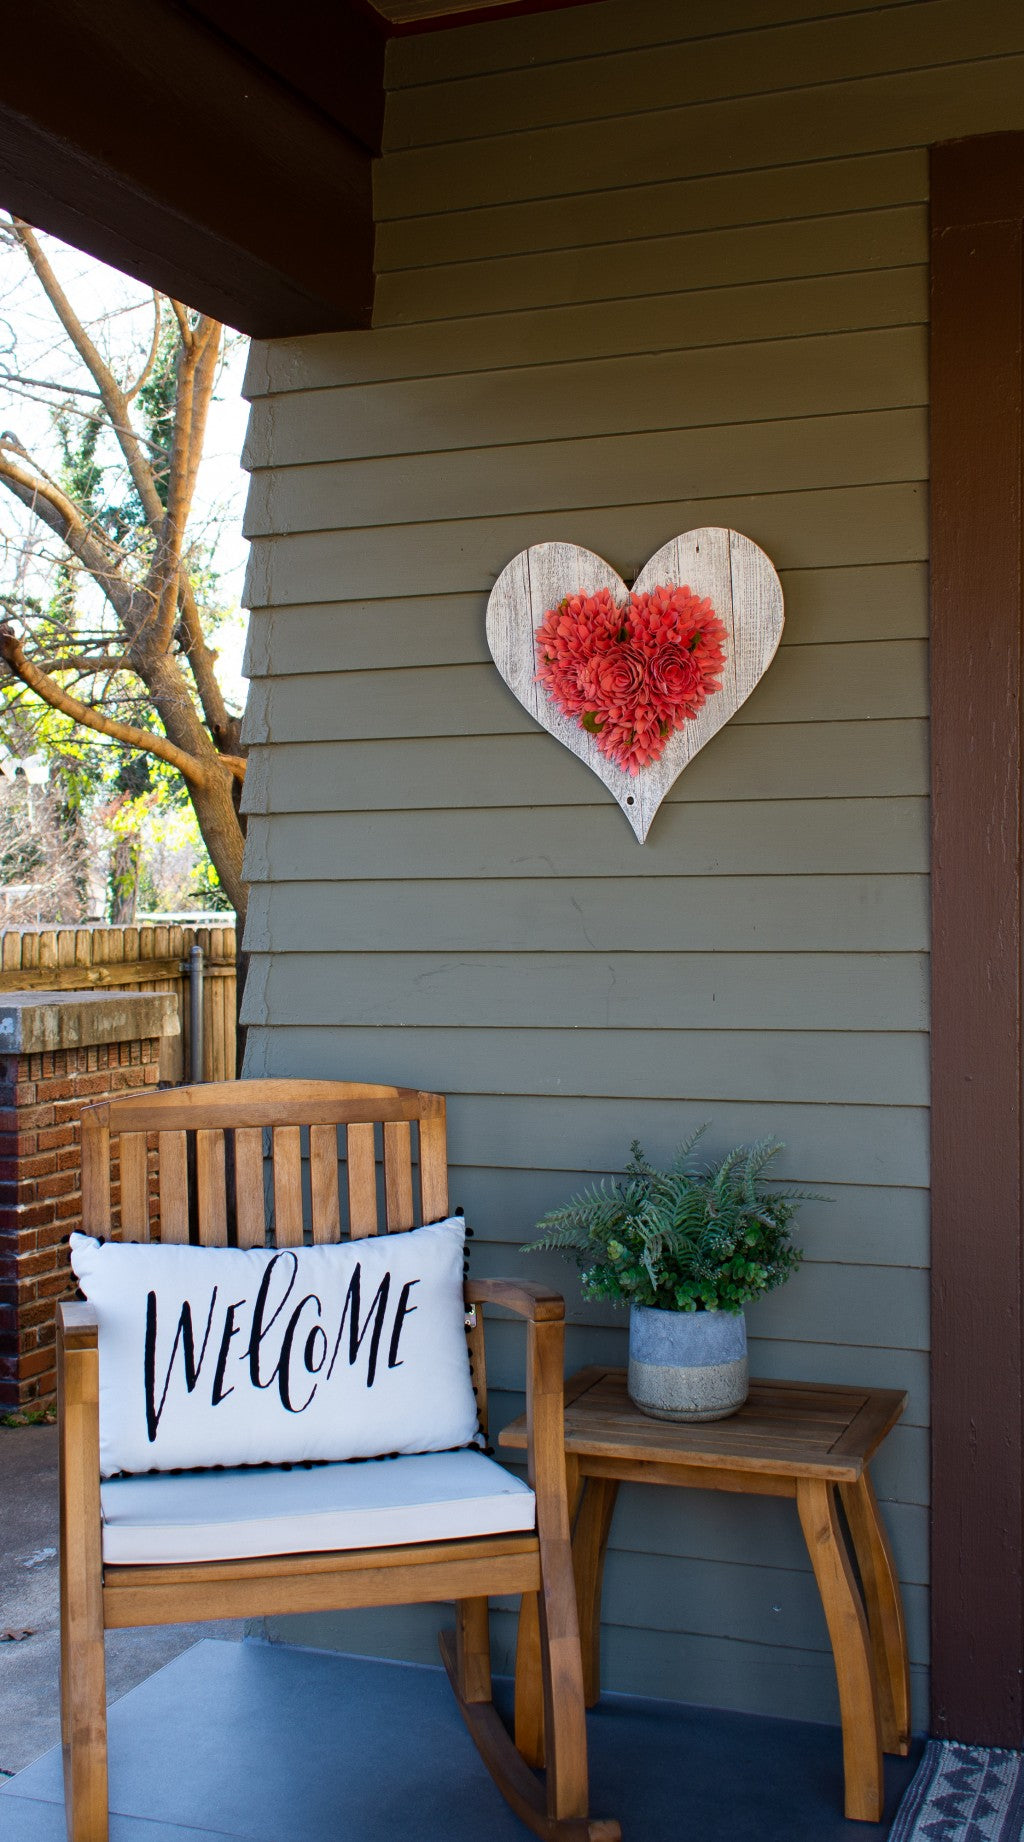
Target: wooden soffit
430, 15
218, 151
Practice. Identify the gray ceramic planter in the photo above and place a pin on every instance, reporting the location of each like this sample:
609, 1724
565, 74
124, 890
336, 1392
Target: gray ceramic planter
687, 1365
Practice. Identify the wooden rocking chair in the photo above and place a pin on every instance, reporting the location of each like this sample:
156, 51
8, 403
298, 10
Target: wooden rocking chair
207, 1135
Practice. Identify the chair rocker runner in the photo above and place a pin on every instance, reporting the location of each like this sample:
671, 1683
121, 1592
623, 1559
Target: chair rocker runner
136, 1550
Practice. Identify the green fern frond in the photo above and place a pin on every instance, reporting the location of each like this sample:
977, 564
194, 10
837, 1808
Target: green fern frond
692, 1237
680, 1163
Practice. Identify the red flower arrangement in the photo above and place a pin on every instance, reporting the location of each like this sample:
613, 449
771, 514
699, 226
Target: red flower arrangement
631, 675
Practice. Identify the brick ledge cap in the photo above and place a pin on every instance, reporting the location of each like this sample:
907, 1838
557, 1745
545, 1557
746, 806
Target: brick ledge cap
37, 1022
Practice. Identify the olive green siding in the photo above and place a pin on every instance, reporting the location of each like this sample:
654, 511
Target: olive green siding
631, 281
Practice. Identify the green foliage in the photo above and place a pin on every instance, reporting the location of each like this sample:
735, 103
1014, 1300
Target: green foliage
90, 475
156, 401
81, 473
126, 814
695, 1237
207, 893
30, 1416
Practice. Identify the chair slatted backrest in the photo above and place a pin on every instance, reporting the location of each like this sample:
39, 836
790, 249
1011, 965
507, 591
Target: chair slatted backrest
214, 1145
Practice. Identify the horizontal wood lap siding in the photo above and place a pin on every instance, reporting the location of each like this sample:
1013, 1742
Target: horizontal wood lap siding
611, 306
672, 209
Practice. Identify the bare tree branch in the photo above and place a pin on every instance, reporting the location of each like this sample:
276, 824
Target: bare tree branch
153, 350
197, 366
223, 726
114, 400
208, 342
12, 651
84, 666
202, 661
47, 484
184, 326
143, 574
43, 383
56, 510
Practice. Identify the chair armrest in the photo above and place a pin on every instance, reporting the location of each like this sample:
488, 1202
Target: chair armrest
77, 1325
544, 1311
537, 1303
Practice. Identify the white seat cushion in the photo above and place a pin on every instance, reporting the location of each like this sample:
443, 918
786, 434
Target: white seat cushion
375, 1503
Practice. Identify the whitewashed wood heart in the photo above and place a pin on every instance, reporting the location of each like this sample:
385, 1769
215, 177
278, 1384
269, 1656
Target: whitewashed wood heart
732, 572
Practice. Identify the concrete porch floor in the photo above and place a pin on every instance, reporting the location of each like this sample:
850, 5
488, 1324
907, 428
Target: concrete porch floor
270, 1743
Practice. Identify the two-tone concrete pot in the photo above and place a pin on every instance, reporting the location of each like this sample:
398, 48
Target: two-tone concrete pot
687, 1365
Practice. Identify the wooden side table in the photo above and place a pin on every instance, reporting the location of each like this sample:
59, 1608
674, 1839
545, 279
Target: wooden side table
791, 1439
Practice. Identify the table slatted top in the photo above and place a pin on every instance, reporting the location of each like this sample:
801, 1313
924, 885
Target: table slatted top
786, 1428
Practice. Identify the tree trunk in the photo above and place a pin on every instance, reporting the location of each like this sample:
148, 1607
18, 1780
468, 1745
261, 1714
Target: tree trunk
222, 835
124, 881
212, 793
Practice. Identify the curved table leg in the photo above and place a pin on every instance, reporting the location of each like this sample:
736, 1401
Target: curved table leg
884, 1609
589, 1545
848, 1631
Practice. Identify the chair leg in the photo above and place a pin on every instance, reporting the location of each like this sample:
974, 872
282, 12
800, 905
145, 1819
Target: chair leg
83, 1700
529, 1689
83, 1688
473, 1648
565, 1730
591, 1505
522, 1789
556, 1810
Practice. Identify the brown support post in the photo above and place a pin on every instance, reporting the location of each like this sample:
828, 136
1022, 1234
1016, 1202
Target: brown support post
977, 767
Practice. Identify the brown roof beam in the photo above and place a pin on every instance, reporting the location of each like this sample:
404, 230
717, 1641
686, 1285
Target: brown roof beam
142, 136
331, 52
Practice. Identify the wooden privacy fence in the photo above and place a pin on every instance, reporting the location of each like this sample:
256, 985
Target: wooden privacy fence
145, 958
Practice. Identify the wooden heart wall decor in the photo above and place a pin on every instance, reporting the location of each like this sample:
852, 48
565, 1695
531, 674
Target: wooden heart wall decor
635, 682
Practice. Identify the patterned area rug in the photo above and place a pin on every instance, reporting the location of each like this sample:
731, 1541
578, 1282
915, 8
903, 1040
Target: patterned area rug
963, 1794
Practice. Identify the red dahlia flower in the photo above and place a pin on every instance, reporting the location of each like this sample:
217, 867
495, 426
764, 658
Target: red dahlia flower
631, 675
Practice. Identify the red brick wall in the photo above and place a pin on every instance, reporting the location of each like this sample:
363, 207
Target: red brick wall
41, 1097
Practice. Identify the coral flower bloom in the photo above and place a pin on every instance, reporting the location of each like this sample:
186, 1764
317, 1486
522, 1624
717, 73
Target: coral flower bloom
631, 675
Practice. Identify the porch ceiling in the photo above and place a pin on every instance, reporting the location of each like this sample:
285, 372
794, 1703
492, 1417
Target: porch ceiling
218, 151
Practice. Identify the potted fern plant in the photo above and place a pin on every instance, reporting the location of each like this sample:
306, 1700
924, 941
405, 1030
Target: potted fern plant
686, 1248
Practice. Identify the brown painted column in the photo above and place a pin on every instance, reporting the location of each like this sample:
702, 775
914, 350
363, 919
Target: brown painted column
58, 1052
977, 988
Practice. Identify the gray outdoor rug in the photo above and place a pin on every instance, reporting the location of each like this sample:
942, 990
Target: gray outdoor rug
963, 1794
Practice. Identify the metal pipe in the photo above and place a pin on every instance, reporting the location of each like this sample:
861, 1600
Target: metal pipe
195, 1013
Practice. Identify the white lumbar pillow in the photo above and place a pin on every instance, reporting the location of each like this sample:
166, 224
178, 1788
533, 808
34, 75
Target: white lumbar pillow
248, 1356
